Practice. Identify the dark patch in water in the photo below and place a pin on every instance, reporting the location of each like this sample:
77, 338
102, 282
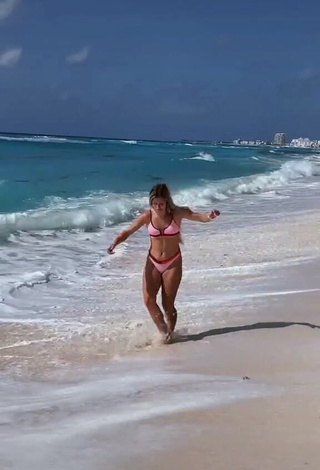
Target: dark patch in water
64, 177
22, 181
108, 156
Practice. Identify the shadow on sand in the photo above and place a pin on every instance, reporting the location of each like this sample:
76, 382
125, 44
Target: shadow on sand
233, 329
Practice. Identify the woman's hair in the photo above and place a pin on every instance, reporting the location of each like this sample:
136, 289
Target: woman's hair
162, 190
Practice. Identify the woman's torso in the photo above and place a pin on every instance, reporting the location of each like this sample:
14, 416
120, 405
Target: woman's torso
164, 234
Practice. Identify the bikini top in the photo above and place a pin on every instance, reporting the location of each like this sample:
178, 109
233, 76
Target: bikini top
169, 231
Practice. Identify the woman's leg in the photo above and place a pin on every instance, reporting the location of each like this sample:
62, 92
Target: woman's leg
152, 280
171, 279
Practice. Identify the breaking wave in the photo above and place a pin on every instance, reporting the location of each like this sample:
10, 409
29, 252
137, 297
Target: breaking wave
207, 157
44, 139
106, 209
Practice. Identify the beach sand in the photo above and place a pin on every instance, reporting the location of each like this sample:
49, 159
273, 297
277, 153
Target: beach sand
281, 431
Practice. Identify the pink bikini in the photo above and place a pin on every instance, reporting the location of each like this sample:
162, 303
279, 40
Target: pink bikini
170, 231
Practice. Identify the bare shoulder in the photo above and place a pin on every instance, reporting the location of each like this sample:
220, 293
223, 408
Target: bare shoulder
145, 216
142, 219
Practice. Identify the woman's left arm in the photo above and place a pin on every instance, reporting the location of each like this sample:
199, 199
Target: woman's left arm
187, 213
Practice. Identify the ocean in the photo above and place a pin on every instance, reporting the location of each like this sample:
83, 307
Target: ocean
71, 315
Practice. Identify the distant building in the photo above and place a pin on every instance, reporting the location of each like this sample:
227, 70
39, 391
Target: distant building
280, 138
248, 142
305, 142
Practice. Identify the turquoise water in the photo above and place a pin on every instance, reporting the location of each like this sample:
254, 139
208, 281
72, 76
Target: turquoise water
62, 183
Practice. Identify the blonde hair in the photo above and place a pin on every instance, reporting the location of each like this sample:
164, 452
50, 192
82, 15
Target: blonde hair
162, 190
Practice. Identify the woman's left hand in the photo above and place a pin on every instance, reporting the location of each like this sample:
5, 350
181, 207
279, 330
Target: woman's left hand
213, 214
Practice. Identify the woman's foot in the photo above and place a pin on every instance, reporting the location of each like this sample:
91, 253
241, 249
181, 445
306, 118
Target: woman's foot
168, 338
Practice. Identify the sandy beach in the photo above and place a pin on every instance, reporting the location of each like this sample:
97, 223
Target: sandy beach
272, 432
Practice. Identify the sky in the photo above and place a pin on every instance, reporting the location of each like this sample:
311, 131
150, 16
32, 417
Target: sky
160, 70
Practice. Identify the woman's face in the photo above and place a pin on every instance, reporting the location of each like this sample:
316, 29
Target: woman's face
159, 205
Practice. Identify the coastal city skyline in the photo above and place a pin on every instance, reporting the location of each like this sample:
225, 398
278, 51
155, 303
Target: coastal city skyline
280, 139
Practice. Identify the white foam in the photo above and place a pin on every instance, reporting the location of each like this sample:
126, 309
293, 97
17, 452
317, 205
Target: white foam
30, 280
43, 139
285, 292
207, 157
119, 252
121, 399
20, 344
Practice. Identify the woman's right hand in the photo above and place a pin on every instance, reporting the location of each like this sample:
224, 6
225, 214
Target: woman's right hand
111, 249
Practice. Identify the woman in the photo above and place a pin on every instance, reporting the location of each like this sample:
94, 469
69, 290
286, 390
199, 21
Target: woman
164, 262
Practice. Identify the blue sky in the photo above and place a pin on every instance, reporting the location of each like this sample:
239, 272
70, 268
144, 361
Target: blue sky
193, 69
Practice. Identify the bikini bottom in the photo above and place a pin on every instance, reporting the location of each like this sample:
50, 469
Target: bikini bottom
163, 265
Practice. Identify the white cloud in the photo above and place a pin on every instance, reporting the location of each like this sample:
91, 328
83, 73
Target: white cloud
10, 57
79, 56
7, 7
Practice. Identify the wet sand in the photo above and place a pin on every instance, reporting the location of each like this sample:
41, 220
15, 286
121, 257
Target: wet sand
281, 431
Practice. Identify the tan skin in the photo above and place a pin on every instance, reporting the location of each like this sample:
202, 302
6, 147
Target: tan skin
162, 248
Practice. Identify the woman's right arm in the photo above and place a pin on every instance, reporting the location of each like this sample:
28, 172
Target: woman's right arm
136, 225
